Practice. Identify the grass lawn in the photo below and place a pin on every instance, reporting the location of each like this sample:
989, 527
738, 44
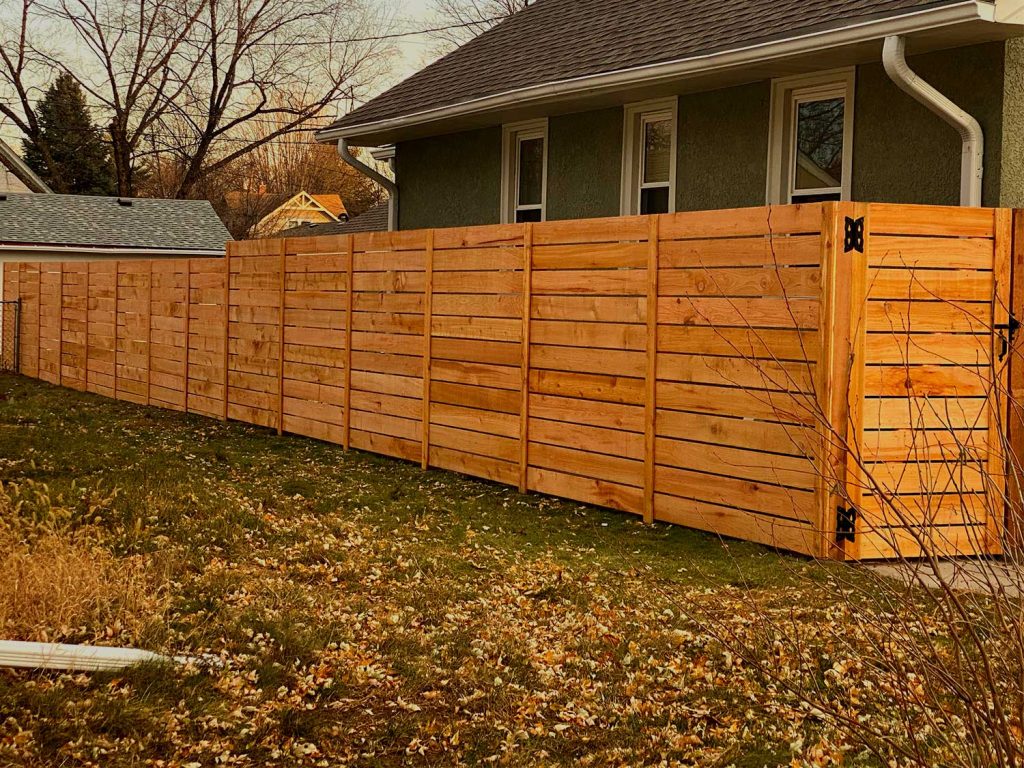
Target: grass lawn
368, 613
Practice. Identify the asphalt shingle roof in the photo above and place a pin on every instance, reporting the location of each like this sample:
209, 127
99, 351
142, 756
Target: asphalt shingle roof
556, 40
372, 220
82, 220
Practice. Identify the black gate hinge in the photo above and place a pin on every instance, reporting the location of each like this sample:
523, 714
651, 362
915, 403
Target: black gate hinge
854, 240
1011, 327
846, 523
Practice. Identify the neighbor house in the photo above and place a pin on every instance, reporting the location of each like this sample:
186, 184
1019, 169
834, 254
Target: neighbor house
374, 219
15, 175
299, 209
585, 108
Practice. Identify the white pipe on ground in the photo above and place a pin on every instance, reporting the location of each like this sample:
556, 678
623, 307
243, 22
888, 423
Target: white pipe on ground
78, 658
972, 159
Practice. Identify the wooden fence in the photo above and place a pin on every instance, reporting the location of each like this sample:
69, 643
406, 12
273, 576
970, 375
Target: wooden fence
757, 373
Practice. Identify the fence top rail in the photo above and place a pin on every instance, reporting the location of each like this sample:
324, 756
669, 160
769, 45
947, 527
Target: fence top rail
725, 223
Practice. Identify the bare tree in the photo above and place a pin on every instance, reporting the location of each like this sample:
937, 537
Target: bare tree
462, 20
135, 50
20, 69
257, 67
249, 187
178, 79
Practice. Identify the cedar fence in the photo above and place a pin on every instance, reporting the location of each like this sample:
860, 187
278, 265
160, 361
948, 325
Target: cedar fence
786, 375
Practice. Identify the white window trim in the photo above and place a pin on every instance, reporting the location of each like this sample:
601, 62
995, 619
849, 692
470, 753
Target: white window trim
787, 92
511, 135
634, 114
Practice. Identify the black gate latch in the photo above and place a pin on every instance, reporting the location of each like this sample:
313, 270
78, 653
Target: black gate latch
1007, 338
854, 240
846, 524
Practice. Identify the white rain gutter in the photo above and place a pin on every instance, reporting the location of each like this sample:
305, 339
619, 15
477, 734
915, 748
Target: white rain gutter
78, 658
30, 252
972, 157
865, 31
371, 173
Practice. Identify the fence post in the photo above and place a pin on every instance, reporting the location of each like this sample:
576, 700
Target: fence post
428, 299
85, 345
347, 407
117, 304
524, 397
1002, 525
149, 335
188, 322
280, 339
60, 327
839, 382
39, 318
1015, 416
651, 376
227, 325
17, 327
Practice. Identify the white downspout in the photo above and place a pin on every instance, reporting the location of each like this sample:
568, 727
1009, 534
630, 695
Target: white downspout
84, 658
972, 161
392, 188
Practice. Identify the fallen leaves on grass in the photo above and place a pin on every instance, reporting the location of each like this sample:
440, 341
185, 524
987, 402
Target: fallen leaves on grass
367, 613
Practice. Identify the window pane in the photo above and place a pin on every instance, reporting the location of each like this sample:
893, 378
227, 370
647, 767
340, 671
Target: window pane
654, 200
657, 151
819, 144
531, 171
530, 214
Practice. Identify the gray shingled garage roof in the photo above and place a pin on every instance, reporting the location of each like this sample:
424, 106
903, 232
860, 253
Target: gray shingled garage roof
558, 40
80, 220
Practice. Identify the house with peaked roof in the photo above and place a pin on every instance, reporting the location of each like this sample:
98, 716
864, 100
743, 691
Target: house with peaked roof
374, 219
586, 108
300, 209
15, 175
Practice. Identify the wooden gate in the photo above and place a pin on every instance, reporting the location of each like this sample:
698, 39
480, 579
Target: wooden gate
926, 471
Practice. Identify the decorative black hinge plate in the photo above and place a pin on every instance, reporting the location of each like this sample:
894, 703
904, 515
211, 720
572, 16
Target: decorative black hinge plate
854, 240
846, 524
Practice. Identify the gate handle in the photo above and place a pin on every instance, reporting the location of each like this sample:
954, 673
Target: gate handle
1011, 328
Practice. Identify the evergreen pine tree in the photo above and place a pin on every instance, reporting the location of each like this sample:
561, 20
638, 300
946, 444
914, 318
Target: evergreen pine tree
70, 154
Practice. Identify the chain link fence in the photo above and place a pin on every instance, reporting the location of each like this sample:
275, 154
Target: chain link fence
10, 317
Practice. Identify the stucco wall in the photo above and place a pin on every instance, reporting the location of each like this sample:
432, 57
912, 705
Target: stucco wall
1011, 181
723, 148
904, 153
584, 164
449, 181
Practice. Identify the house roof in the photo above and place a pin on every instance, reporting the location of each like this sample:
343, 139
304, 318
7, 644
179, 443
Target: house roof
110, 222
374, 219
332, 203
555, 41
17, 167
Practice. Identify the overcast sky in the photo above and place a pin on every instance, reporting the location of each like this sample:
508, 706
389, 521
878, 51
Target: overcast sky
412, 52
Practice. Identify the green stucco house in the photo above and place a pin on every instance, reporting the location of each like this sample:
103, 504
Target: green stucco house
586, 108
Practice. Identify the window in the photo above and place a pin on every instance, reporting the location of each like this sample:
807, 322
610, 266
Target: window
649, 158
524, 171
811, 138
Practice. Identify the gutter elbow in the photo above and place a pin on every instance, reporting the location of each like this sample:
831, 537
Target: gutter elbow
371, 173
972, 137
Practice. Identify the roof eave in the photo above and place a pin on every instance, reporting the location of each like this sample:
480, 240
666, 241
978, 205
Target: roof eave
33, 251
864, 31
